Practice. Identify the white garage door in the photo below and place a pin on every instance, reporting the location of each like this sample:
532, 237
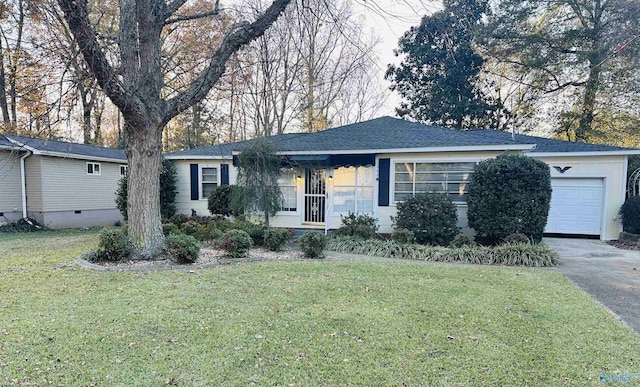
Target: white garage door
576, 206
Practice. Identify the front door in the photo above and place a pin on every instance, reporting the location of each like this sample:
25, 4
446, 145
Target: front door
314, 196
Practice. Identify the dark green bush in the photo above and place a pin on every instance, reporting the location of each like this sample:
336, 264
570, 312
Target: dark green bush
516, 238
630, 212
179, 219
170, 228
191, 227
183, 248
462, 240
113, 245
509, 194
361, 226
168, 182
220, 200
313, 244
431, 217
256, 232
236, 243
403, 236
276, 238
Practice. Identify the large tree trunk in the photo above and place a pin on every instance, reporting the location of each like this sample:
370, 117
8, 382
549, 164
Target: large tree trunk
144, 152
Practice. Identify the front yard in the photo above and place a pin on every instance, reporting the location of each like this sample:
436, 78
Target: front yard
296, 323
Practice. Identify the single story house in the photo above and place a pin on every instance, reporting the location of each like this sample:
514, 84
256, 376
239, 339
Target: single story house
59, 184
370, 166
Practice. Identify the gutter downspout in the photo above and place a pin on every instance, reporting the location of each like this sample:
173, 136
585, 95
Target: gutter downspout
24, 184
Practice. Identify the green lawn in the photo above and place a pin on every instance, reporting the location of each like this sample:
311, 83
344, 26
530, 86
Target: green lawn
302, 323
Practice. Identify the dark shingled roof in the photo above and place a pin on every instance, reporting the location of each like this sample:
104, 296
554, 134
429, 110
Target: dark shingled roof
5, 141
379, 133
69, 148
394, 133
548, 145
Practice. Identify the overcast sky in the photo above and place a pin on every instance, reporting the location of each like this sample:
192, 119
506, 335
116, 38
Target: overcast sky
389, 19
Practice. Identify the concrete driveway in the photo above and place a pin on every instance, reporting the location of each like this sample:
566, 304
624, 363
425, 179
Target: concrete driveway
608, 274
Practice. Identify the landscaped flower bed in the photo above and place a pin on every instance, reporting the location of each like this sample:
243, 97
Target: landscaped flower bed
511, 254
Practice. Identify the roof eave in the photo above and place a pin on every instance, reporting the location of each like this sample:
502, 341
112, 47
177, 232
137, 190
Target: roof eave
629, 152
80, 157
196, 157
471, 148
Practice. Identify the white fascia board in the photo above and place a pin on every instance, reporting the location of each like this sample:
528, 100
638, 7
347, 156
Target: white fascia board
577, 154
477, 148
80, 157
192, 157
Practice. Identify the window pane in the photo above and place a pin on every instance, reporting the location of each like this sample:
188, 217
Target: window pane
210, 175
400, 197
96, 169
90, 168
408, 187
365, 199
207, 188
344, 176
404, 167
344, 199
287, 177
430, 187
289, 198
365, 176
403, 177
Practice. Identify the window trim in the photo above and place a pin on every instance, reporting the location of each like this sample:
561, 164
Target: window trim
93, 168
297, 184
373, 186
392, 172
201, 182
126, 169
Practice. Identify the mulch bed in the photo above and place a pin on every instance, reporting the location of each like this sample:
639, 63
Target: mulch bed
624, 245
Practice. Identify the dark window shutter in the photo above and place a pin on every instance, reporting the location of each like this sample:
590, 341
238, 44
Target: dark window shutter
195, 191
383, 182
224, 174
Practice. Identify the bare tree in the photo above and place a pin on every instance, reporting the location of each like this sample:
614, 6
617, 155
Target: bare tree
137, 88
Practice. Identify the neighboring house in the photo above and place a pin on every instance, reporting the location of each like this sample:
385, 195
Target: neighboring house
370, 166
59, 184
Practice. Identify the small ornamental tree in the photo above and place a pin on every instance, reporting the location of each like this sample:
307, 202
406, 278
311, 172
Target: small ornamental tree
258, 173
168, 182
509, 194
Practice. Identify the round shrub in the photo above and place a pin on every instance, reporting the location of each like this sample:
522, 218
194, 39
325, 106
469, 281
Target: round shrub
312, 244
113, 245
276, 238
169, 228
179, 219
256, 232
509, 194
236, 243
462, 240
517, 238
431, 217
403, 236
361, 226
630, 212
183, 248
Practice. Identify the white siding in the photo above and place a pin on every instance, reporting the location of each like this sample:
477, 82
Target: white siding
10, 184
183, 185
66, 186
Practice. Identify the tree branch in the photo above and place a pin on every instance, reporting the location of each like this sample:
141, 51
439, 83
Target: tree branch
213, 12
75, 13
236, 37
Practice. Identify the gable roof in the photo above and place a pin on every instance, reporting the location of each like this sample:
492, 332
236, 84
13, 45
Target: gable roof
388, 134
68, 149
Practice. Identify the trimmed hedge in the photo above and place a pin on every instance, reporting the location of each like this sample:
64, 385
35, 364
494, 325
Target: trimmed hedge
113, 245
236, 243
509, 194
630, 212
516, 254
313, 244
361, 226
183, 248
432, 218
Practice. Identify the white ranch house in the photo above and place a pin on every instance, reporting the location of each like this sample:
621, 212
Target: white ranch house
370, 166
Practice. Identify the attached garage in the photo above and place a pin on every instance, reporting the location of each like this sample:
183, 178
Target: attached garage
577, 206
